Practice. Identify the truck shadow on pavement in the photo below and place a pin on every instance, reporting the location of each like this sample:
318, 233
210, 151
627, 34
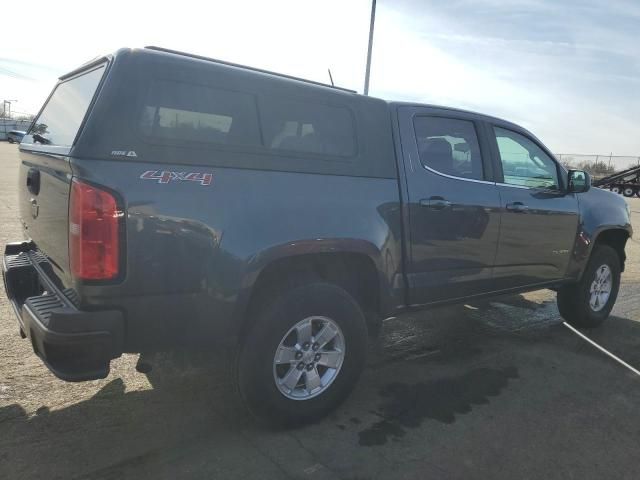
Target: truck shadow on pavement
117, 432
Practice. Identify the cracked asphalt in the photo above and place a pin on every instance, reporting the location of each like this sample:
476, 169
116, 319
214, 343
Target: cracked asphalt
495, 389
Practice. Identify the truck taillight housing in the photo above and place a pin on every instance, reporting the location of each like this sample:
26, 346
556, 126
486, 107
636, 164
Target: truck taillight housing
94, 233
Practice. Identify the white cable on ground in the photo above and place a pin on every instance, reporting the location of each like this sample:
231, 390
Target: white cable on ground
621, 362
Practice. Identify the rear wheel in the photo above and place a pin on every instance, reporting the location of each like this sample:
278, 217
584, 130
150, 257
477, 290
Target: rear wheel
10, 140
629, 191
588, 303
303, 355
615, 189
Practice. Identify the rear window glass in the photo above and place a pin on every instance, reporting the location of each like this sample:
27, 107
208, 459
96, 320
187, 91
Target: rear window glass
59, 121
306, 127
186, 112
449, 146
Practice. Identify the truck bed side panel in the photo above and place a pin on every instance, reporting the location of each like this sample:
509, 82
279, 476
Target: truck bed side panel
193, 249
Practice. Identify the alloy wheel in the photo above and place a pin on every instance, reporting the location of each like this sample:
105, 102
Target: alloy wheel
308, 358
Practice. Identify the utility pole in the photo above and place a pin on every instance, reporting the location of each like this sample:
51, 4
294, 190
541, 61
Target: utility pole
368, 72
5, 116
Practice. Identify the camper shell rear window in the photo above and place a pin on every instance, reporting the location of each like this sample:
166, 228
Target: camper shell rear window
60, 119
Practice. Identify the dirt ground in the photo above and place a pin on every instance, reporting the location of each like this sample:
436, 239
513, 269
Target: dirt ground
495, 389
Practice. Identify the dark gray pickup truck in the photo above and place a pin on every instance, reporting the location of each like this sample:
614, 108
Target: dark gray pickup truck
169, 200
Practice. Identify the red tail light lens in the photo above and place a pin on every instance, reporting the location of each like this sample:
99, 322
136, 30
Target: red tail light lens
94, 237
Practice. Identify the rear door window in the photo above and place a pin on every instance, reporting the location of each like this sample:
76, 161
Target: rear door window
61, 117
449, 146
300, 126
183, 112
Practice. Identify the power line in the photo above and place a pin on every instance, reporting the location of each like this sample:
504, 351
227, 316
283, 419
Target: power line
10, 73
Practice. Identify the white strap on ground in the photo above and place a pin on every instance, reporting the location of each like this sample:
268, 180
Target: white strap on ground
621, 362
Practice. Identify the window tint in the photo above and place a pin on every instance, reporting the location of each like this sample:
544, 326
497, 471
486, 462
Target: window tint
524, 163
185, 112
307, 127
449, 146
61, 117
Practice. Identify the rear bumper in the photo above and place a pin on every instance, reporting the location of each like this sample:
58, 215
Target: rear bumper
75, 345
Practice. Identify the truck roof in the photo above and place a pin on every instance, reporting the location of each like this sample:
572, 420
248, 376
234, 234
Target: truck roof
481, 116
245, 67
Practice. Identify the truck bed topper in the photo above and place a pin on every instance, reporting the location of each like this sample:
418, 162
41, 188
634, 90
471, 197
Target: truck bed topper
245, 67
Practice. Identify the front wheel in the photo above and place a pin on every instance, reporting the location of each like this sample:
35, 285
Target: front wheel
588, 303
303, 355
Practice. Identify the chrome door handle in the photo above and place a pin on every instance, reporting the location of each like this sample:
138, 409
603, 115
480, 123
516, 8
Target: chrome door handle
435, 203
517, 207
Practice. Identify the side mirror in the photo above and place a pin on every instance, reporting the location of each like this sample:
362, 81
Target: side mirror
579, 181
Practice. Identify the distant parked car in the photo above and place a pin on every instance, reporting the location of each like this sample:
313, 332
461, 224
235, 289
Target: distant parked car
15, 136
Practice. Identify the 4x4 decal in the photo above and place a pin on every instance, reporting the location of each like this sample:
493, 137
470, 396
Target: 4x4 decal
163, 176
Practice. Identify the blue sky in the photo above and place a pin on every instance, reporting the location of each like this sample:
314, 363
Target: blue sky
568, 70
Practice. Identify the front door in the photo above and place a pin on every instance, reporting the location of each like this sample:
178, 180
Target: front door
539, 219
453, 205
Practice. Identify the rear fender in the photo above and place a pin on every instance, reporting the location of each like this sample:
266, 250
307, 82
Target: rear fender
387, 272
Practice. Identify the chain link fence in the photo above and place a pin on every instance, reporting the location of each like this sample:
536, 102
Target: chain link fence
598, 165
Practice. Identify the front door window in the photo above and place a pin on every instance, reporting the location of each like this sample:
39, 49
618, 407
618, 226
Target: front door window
524, 163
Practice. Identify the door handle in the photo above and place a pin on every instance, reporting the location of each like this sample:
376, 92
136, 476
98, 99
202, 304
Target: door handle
33, 181
517, 207
435, 203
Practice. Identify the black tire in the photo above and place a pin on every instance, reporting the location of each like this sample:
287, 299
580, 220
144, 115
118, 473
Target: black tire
615, 189
574, 300
274, 318
9, 139
628, 191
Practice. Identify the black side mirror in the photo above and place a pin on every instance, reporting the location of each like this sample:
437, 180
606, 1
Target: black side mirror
579, 181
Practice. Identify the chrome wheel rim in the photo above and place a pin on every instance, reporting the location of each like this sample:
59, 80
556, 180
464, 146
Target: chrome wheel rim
308, 358
600, 288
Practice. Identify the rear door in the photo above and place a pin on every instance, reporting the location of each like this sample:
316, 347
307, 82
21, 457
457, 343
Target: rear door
45, 171
453, 204
539, 218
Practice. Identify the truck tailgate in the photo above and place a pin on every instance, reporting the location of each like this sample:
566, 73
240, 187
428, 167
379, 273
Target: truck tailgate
45, 170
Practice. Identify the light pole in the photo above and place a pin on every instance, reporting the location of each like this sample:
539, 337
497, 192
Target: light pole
4, 108
368, 72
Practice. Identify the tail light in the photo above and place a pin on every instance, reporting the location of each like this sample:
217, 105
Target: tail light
94, 237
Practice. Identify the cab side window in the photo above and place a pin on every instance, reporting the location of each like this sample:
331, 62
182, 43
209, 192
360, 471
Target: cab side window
449, 146
524, 163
